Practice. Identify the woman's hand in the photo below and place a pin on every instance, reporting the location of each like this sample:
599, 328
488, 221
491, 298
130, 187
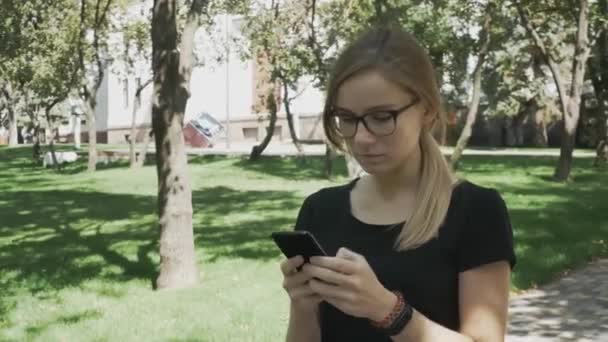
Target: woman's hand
297, 285
348, 282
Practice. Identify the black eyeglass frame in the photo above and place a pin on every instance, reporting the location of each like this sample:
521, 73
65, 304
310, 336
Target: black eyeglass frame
393, 112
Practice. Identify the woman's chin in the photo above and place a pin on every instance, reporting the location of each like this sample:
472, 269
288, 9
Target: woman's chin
375, 168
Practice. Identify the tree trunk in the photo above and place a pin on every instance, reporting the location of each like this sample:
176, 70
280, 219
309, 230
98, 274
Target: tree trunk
465, 135
36, 143
89, 94
12, 133
598, 68
172, 71
141, 157
89, 109
292, 130
572, 112
257, 150
570, 101
540, 129
76, 129
50, 126
132, 137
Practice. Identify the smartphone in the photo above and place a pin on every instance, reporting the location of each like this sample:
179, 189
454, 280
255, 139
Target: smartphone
299, 242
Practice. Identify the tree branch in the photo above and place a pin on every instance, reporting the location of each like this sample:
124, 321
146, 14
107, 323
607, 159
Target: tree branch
186, 46
98, 21
105, 11
314, 44
545, 53
601, 30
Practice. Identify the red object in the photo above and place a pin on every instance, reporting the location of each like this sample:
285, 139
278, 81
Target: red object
390, 318
194, 137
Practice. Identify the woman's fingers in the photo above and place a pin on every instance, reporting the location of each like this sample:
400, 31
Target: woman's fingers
325, 274
337, 264
298, 279
330, 291
301, 292
289, 266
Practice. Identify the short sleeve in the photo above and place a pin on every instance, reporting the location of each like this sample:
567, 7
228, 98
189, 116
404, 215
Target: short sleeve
305, 215
487, 235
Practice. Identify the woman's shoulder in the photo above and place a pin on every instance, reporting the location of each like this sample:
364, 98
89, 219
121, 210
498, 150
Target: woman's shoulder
329, 194
472, 193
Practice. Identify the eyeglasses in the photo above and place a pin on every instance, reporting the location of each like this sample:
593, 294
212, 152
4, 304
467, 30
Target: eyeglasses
379, 123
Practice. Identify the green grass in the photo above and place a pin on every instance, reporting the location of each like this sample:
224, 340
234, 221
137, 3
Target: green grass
78, 251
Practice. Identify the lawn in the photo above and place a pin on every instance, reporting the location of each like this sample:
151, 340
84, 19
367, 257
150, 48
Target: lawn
78, 251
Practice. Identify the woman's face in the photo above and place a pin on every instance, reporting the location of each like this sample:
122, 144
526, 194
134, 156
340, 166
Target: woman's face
369, 93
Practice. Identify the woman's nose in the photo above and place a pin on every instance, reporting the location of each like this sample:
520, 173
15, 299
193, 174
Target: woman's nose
363, 135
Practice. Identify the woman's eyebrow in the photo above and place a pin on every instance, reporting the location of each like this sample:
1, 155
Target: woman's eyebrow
369, 109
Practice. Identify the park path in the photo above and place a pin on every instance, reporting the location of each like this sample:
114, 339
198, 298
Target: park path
574, 308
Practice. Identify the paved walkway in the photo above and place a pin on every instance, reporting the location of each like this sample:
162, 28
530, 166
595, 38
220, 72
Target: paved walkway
574, 308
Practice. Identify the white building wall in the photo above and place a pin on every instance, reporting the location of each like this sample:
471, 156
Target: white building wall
208, 88
101, 107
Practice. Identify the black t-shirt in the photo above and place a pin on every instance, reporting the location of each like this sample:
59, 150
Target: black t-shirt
477, 231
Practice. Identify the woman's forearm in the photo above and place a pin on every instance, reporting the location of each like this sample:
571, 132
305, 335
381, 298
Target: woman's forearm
303, 326
422, 329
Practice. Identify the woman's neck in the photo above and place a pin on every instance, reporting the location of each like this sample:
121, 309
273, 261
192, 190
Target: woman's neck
404, 179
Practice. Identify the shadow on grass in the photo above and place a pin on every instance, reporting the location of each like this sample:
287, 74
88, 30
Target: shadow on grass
237, 224
556, 230
35, 331
20, 159
52, 239
293, 168
557, 226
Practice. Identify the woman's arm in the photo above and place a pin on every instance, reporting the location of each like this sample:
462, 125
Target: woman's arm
484, 301
483, 298
303, 326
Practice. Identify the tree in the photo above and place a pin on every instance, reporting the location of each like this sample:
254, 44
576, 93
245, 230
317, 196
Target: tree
172, 66
93, 61
8, 105
483, 47
569, 94
598, 73
39, 66
432, 22
137, 52
274, 38
134, 160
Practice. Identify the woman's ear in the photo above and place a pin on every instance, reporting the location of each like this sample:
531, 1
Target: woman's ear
429, 119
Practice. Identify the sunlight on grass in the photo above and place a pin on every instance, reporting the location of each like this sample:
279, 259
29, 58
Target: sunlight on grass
80, 251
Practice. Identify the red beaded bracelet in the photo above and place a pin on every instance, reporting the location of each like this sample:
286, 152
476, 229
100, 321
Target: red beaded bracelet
395, 312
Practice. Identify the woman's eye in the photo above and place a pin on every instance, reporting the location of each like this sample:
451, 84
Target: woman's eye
382, 116
347, 119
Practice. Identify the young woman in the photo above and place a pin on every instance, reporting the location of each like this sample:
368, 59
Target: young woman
415, 254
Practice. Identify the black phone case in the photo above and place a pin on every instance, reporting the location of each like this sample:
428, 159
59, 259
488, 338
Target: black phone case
293, 243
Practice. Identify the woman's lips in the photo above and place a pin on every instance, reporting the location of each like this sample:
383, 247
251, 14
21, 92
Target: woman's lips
370, 157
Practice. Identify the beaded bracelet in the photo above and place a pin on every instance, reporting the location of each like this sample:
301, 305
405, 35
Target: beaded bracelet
390, 318
397, 319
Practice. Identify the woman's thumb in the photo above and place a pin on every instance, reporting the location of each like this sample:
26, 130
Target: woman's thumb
346, 253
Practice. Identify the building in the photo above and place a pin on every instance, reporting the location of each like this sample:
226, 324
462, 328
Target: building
226, 88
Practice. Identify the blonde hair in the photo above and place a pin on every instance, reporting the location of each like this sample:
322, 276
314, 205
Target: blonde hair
400, 59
